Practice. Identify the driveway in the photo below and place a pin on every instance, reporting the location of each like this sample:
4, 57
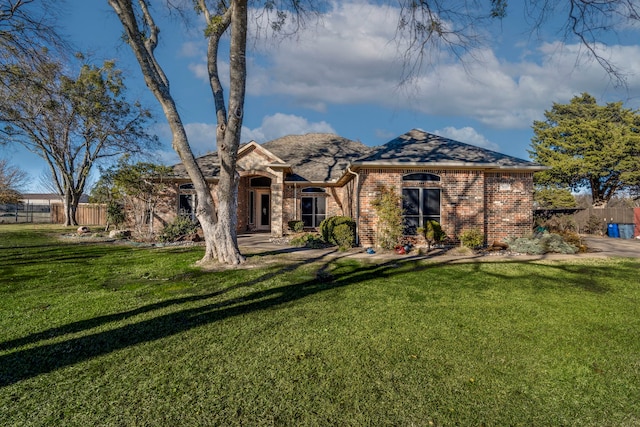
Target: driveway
264, 244
607, 246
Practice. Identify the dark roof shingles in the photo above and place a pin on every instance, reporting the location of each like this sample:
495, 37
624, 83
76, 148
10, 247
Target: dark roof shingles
317, 157
417, 146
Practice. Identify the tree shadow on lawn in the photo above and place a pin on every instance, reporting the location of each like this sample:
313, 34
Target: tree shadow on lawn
28, 363
584, 277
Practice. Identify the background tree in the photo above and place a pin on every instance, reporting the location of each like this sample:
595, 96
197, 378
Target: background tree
27, 32
588, 146
12, 180
554, 197
72, 122
138, 188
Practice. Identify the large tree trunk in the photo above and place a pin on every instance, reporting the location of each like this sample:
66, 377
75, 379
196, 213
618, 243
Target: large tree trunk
228, 140
70, 204
220, 236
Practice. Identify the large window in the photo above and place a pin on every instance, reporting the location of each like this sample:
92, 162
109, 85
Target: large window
420, 205
313, 206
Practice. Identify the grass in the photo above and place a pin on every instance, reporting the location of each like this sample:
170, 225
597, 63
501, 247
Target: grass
113, 335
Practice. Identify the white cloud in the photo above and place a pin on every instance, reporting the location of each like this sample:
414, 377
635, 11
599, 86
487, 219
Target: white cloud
192, 49
468, 135
279, 124
201, 136
349, 59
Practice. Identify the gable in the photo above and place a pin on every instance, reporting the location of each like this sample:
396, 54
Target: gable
316, 157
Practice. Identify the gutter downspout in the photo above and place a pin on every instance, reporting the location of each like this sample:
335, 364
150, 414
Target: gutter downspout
357, 203
295, 201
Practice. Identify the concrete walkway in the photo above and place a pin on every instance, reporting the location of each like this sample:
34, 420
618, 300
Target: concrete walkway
263, 244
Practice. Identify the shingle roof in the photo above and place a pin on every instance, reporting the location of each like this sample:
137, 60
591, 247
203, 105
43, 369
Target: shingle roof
324, 157
209, 164
317, 157
419, 147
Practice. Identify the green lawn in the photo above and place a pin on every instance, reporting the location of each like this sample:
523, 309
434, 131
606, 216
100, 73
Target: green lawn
114, 335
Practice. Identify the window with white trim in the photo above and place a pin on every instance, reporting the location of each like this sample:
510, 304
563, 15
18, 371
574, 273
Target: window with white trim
313, 205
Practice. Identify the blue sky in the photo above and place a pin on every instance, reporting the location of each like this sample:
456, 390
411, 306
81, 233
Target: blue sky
342, 74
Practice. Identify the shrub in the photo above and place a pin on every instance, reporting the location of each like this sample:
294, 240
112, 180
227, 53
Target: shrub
180, 227
115, 214
595, 225
388, 208
547, 243
472, 238
572, 238
328, 229
432, 232
344, 236
559, 223
554, 243
296, 226
308, 240
526, 245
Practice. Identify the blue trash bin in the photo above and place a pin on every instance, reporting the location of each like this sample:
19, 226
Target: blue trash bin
612, 230
626, 231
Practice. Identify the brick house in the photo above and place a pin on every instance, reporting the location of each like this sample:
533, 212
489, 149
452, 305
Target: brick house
314, 176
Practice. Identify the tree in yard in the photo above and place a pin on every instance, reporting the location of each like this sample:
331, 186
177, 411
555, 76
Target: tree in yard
588, 146
218, 222
12, 180
136, 187
71, 122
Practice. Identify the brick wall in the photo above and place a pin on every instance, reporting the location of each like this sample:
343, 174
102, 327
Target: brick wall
469, 199
509, 201
339, 202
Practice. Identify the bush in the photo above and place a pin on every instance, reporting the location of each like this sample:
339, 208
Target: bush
344, 236
348, 232
308, 240
180, 227
559, 223
547, 243
115, 214
472, 238
388, 207
296, 226
432, 232
595, 225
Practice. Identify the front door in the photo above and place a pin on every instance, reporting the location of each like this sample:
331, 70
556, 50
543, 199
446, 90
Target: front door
263, 210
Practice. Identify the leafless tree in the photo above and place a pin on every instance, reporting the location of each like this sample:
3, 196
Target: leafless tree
12, 180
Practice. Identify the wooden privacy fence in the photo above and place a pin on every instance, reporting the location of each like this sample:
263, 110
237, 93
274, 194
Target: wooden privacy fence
87, 214
606, 216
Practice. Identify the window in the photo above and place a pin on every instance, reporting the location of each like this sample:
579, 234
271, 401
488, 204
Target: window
261, 181
187, 201
314, 208
420, 205
422, 177
252, 207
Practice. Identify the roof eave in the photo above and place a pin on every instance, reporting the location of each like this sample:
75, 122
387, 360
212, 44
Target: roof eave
447, 165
